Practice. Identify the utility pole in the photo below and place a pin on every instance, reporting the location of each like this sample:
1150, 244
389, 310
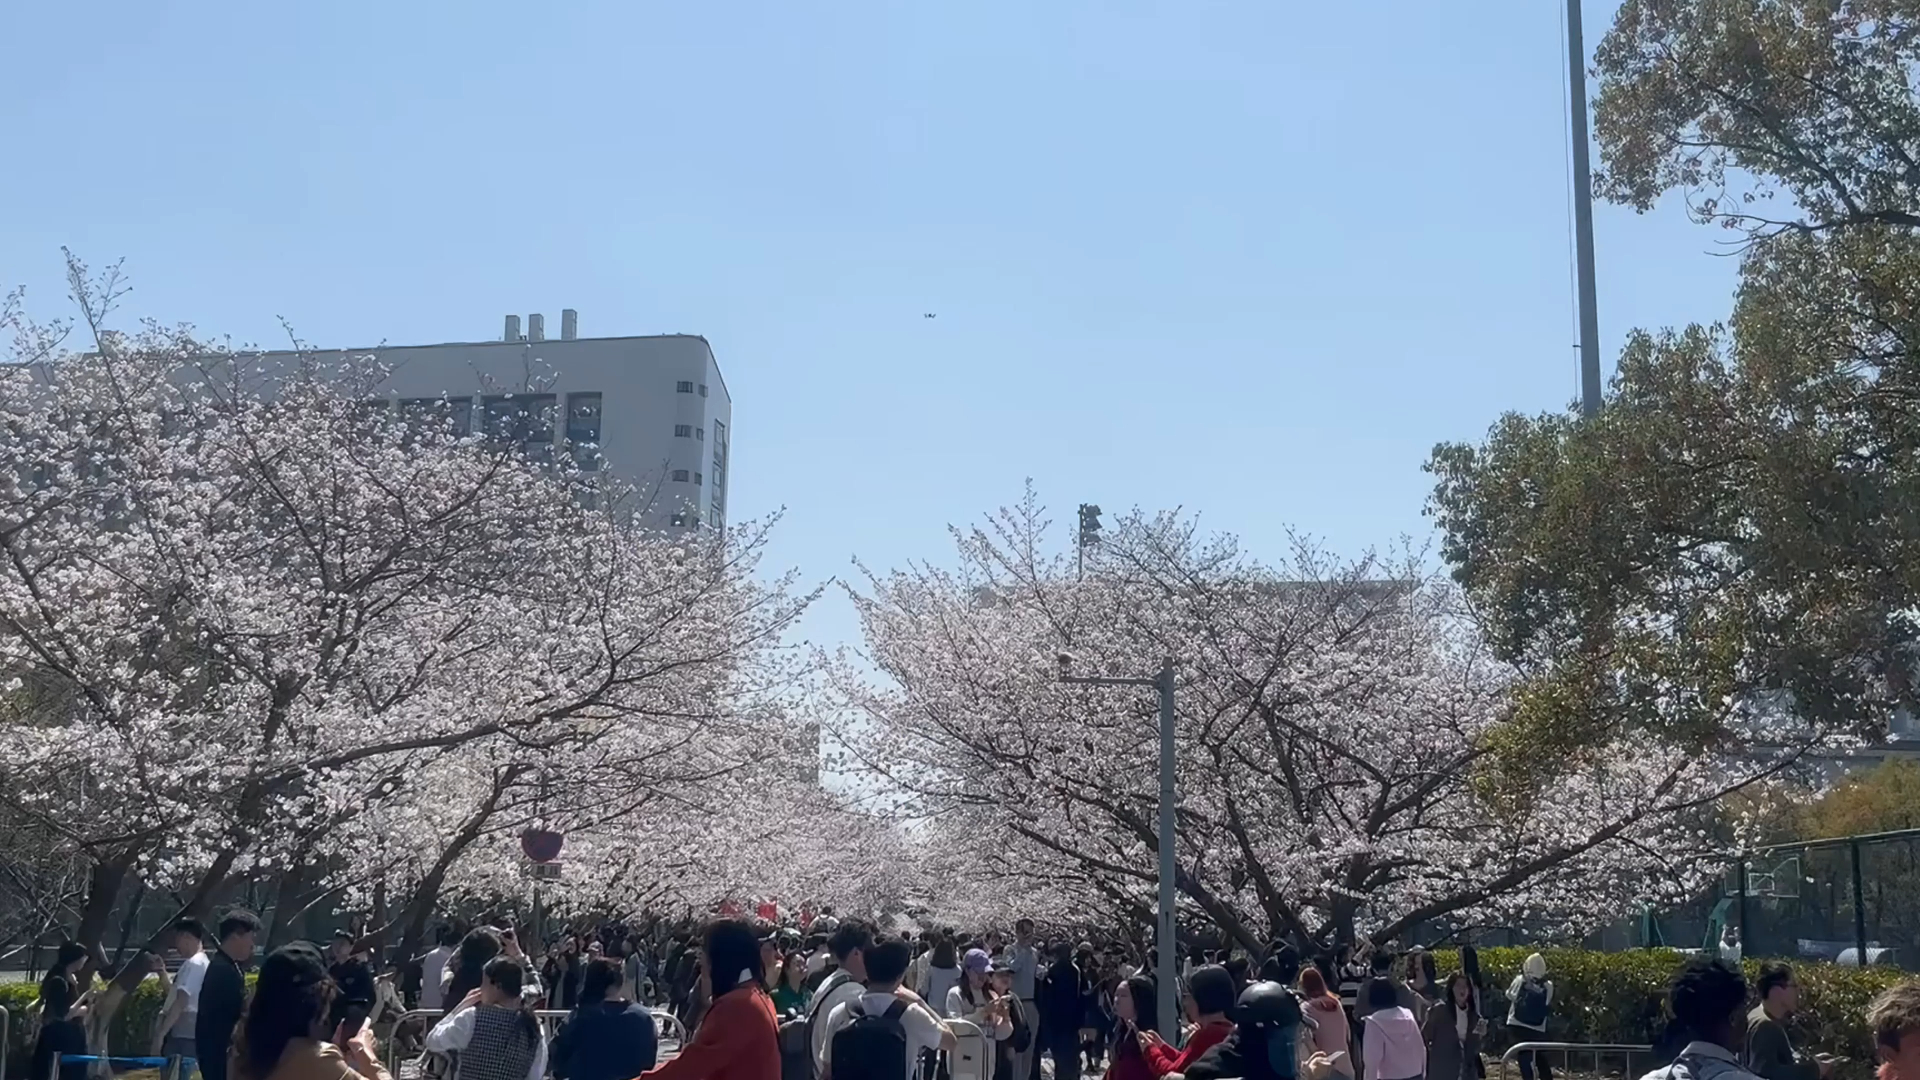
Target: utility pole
1583, 214
1165, 941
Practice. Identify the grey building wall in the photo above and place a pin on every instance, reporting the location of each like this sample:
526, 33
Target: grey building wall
663, 418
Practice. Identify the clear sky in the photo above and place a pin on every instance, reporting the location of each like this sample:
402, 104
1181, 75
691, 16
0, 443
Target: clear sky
1246, 257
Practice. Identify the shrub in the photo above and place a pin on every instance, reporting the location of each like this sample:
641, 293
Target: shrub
1621, 998
130, 1035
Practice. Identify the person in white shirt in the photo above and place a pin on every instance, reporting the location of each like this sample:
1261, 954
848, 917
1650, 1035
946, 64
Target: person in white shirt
491, 1033
886, 965
433, 969
173, 1035
973, 1000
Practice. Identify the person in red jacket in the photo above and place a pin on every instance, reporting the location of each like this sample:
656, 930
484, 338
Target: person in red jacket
1209, 1002
739, 1037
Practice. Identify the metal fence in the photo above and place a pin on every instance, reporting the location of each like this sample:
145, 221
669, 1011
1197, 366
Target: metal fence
401, 1042
1569, 1051
1849, 900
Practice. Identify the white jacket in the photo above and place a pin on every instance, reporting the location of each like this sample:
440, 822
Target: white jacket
1702, 1061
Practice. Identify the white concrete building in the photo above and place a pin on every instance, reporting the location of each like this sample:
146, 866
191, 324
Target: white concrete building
652, 412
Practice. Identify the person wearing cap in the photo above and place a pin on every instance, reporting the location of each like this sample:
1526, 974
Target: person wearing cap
286, 1032
972, 998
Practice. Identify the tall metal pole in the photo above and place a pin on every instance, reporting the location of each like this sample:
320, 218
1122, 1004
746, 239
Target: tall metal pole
1859, 907
1168, 944
1748, 946
1583, 214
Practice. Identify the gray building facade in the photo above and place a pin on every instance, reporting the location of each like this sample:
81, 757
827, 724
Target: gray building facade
651, 413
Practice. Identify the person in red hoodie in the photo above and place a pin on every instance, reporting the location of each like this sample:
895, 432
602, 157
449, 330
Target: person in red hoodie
1894, 1019
1209, 1003
739, 1037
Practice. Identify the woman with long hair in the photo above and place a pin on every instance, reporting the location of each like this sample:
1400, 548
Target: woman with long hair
64, 1001
491, 1033
1326, 1018
943, 973
1453, 1031
285, 1033
1136, 1009
972, 999
739, 1038
468, 967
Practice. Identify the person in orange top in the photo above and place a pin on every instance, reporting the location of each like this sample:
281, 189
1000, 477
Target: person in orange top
739, 1038
1209, 1002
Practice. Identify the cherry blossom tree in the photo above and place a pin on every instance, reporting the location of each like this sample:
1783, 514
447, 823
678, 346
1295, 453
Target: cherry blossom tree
253, 625
1340, 727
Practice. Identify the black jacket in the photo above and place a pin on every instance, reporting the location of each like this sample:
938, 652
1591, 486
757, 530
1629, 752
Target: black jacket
1060, 1001
611, 1040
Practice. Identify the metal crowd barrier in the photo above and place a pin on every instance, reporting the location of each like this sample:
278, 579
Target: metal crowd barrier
1568, 1050
970, 1059
171, 1068
668, 1026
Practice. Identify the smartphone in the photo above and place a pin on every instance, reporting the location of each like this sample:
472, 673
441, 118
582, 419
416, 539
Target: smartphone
352, 1019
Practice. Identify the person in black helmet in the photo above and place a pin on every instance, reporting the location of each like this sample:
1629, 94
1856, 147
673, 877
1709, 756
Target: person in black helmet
1265, 1042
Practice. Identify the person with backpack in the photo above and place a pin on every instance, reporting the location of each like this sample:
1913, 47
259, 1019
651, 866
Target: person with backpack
844, 984
1532, 1002
883, 1034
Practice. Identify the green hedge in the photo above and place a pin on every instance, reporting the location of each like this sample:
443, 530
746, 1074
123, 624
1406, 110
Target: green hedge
132, 1024
1621, 997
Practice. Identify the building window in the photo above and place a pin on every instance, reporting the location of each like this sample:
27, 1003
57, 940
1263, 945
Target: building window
683, 431
714, 516
524, 420
583, 430
696, 479
703, 389
685, 388
700, 434
680, 476
447, 416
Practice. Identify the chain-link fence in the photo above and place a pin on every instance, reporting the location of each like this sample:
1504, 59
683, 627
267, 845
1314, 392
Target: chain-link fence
1838, 900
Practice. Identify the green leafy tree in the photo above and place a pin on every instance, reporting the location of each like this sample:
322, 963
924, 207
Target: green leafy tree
1736, 538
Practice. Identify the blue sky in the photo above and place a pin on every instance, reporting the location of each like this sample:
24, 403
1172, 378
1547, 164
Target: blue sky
1248, 258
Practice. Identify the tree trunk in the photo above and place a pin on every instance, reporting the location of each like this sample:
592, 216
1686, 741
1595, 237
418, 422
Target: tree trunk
286, 899
104, 882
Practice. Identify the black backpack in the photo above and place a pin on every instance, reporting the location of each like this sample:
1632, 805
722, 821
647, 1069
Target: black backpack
871, 1047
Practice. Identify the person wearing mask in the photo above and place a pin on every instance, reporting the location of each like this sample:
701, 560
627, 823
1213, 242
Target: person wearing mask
1136, 1007
943, 972
466, 970
790, 986
63, 1013
284, 1034
848, 945
1531, 998
1453, 1032
1769, 1052
972, 998
173, 1033
1390, 1044
887, 1019
1326, 1021
490, 1033
608, 1037
433, 969
223, 993
1894, 1019
1709, 1000
1012, 1054
1208, 1004
738, 1038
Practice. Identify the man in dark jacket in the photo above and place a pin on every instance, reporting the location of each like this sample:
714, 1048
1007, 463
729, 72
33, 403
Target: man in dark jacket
607, 1037
1769, 1052
1061, 1010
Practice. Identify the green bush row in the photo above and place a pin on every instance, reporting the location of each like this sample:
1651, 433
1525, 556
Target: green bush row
130, 1035
1621, 998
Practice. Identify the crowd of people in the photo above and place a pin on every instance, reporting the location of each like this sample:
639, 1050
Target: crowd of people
840, 1000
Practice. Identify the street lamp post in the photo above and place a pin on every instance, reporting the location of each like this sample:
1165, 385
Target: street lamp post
1164, 938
